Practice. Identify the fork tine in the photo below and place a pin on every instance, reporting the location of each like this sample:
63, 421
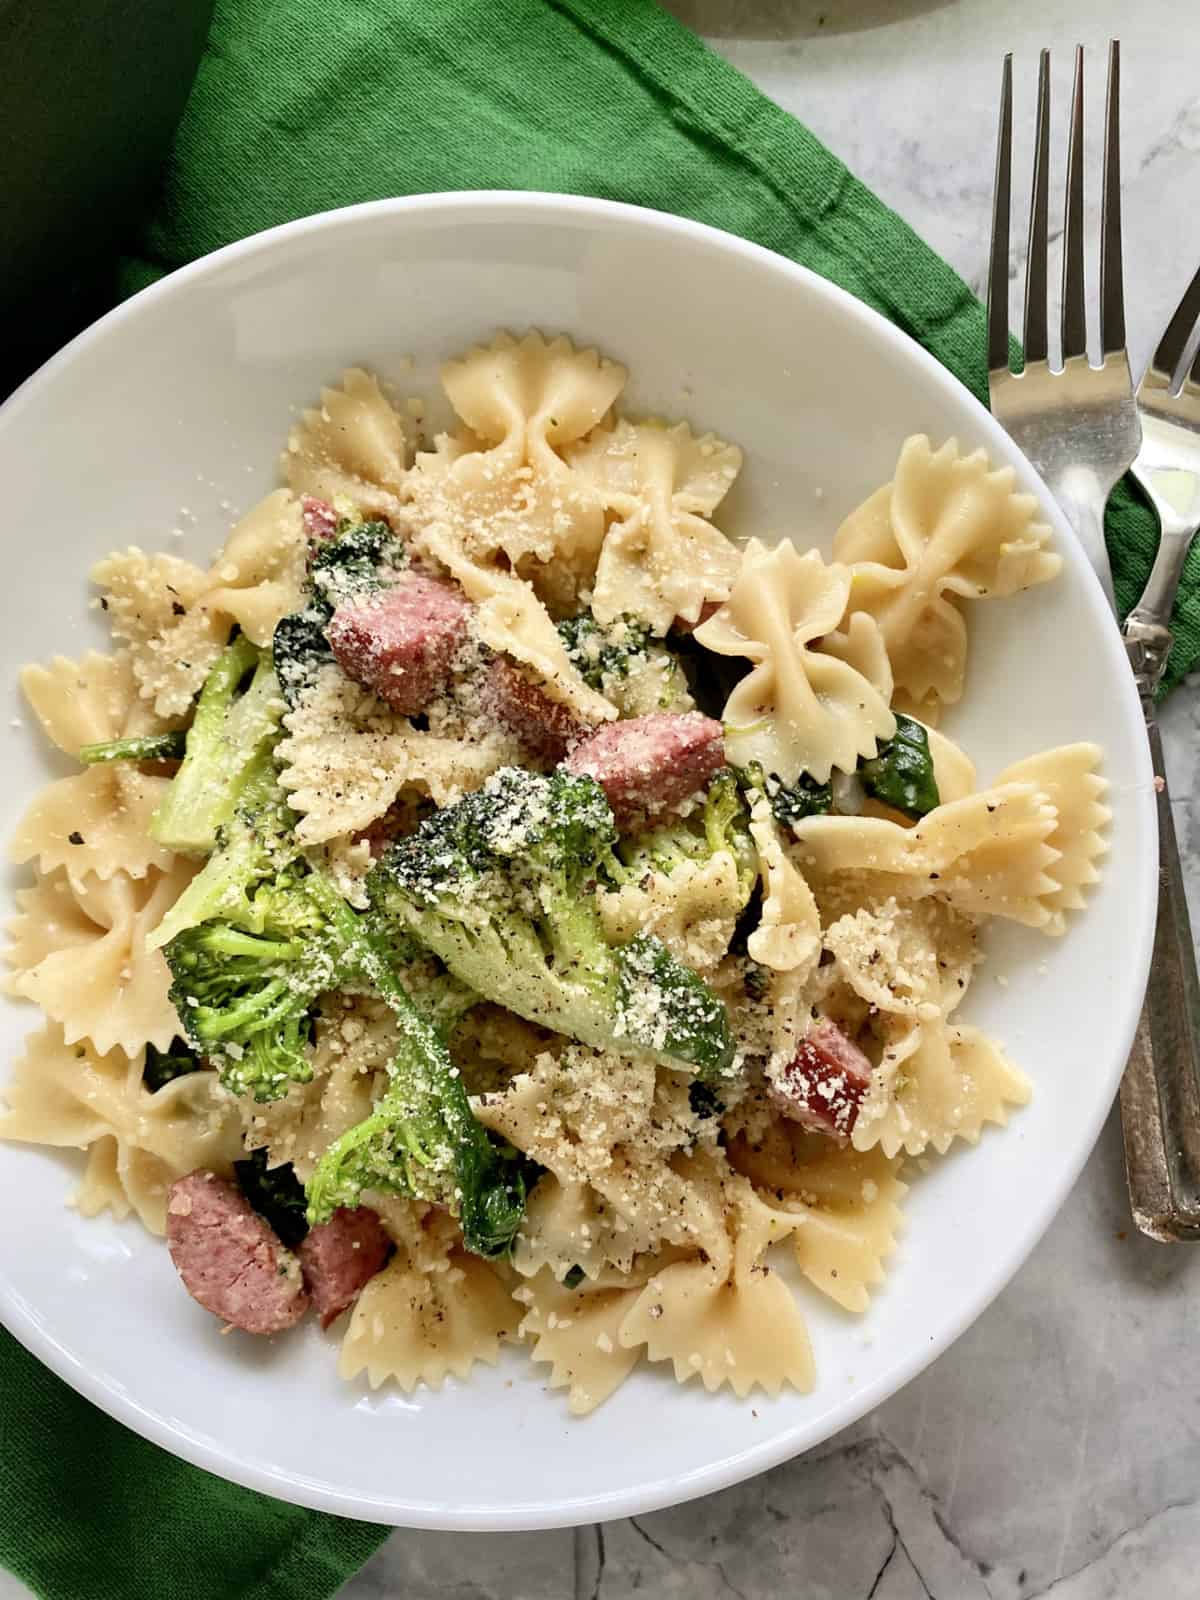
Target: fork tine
1112, 286
1179, 330
1074, 315
1035, 335
997, 295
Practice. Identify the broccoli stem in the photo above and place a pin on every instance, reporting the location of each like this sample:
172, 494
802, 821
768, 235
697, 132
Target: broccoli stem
142, 747
227, 733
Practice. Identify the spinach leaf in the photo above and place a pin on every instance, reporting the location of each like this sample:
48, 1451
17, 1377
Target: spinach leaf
901, 772
276, 1194
164, 1065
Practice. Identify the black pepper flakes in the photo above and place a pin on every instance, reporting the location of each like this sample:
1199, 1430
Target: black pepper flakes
75, 838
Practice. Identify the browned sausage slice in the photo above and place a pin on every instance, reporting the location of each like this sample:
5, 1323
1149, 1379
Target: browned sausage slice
230, 1260
650, 764
340, 1257
319, 518
545, 727
401, 641
822, 1087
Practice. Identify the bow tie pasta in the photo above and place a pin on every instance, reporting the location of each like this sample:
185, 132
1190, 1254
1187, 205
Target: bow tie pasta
947, 528
799, 710
494, 907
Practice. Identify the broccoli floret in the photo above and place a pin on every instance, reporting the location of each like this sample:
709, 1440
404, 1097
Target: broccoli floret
363, 557
501, 887
276, 1194
143, 747
423, 1139
720, 826
901, 772
256, 858
253, 942
235, 721
603, 650
667, 1008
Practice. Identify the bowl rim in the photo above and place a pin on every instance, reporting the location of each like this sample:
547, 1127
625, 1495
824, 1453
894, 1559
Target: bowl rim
785, 1442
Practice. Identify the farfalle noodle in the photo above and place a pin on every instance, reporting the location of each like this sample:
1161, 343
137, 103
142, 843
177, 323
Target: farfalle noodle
988, 854
95, 822
662, 558
798, 709
936, 1083
174, 618
350, 449
70, 1096
1068, 778
846, 1204
505, 488
726, 1317
947, 528
92, 973
346, 756
432, 1313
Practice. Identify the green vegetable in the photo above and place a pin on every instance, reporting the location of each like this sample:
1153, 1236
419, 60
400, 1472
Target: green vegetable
256, 938
364, 556
144, 747
276, 1194
722, 826
901, 772
599, 650
233, 725
422, 1137
501, 887
163, 1066
573, 1278
789, 802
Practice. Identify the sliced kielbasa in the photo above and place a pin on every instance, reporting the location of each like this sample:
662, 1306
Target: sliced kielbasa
545, 727
320, 519
650, 764
823, 1085
229, 1258
401, 641
340, 1257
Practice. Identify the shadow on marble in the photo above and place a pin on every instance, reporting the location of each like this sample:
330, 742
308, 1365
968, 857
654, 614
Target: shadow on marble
795, 19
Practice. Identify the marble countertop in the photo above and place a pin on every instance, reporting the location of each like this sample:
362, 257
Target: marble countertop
1055, 1449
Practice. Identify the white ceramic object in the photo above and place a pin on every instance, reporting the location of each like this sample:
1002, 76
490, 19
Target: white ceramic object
170, 413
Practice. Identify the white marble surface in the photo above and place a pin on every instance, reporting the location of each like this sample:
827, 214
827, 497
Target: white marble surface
1055, 1450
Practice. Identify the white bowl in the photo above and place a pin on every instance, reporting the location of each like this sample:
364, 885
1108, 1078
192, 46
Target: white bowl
173, 408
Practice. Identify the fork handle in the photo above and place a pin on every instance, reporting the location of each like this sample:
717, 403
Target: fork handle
1160, 1091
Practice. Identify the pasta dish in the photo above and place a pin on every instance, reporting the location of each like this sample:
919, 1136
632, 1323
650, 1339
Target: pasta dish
490, 905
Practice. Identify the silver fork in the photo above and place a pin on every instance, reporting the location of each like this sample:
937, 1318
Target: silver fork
1079, 426
1165, 1182
1077, 423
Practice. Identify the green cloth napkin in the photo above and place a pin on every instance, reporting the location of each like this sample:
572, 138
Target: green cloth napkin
301, 105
